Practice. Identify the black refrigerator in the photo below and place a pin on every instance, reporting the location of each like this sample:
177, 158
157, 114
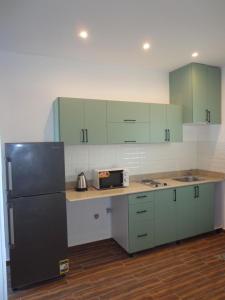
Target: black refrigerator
36, 211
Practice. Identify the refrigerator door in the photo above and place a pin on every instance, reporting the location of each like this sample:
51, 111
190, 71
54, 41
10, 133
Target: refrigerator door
34, 168
38, 238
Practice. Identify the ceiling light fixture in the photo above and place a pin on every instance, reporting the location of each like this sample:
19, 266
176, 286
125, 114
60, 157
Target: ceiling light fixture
83, 34
195, 54
146, 46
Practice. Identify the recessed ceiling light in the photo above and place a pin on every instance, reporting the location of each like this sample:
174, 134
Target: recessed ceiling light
195, 54
146, 46
83, 34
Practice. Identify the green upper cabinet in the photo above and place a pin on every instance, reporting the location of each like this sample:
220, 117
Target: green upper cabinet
165, 216
165, 123
129, 133
80, 121
127, 122
69, 121
95, 122
158, 123
197, 87
122, 111
174, 123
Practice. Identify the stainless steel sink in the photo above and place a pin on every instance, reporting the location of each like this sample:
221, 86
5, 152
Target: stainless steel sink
189, 178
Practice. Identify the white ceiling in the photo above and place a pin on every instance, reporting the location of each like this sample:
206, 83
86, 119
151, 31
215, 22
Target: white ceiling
117, 28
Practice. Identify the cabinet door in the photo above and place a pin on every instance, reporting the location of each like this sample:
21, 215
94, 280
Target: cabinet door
187, 214
122, 111
165, 216
214, 94
174, 123
128, 133
199, 86
205, 208
158, 123
71, 121
95, 122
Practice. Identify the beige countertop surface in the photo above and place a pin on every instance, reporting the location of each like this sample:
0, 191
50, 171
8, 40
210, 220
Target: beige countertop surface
138, 187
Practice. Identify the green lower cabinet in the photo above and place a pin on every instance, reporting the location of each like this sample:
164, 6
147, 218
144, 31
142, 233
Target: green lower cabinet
141, 235
195, 210
165, 216
187, 213
128, 133
141, 221
205, 208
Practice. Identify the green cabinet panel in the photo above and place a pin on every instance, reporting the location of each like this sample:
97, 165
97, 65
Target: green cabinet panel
165, 217
174, 123
122, 111
197, 87
136, 199
141, 235
195, 210
165, 123
128, 133
95, 122
141, 211
141, 221
80, 121
71, 121
205, 208
214, 94
187, 214
158, 123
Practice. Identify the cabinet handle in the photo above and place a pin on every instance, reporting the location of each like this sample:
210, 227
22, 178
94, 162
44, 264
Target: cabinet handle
168, 130
9, 175
11, 229
129, 120
209, 116
165, 135
129, 141
141, 211
175, 195
82, 136
197, 189
142, 196
142, 235
86, 133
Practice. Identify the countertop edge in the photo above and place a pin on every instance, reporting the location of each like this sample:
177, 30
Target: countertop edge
133, 188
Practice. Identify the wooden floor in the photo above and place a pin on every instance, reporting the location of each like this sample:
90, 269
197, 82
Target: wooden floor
193, 269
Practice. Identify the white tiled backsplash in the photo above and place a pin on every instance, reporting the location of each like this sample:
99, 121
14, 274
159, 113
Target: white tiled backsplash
139, 159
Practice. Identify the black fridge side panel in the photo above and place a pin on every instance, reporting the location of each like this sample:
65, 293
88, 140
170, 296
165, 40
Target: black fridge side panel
35, 168
38, 238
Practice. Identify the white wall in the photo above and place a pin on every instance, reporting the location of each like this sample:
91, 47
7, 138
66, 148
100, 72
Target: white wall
29, 84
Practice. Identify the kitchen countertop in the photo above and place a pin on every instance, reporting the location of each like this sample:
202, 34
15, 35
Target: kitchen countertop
138, 187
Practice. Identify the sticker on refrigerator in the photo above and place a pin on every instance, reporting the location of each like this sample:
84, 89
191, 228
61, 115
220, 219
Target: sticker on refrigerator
63, 266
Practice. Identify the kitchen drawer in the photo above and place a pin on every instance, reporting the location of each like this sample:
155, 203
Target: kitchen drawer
141, 236
141, 198
141, 211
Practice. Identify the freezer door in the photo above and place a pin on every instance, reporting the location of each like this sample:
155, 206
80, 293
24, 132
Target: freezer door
38, 238
34, 168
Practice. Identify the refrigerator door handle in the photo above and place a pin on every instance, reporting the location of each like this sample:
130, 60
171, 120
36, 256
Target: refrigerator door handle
11, 227
9, 173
